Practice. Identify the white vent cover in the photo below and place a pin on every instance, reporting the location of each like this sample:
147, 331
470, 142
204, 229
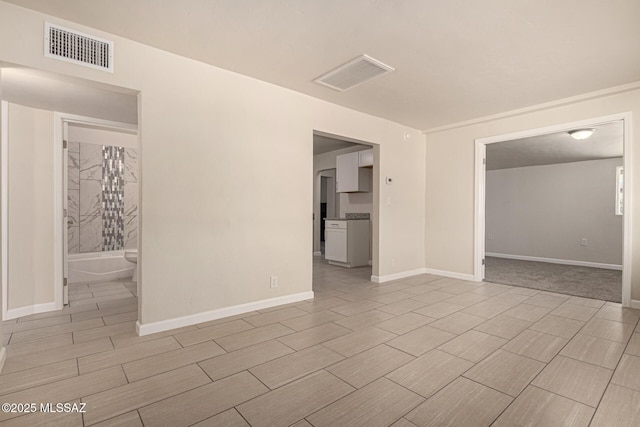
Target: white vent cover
353, 73
78, 48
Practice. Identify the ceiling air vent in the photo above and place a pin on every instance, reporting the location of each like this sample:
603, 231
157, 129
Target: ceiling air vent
78, 48
353, 73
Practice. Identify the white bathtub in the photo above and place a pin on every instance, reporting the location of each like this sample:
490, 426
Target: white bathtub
98, 267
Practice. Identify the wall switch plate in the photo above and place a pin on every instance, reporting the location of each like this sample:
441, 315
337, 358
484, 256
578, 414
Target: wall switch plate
274, 282
584, 242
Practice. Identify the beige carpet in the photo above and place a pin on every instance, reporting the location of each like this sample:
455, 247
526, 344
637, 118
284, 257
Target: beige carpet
587, 282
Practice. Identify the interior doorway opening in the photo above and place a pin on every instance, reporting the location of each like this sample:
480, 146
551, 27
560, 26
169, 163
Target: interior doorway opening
344, 193
562, 249
38, 109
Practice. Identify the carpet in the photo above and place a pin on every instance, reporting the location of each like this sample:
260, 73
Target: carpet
588, 282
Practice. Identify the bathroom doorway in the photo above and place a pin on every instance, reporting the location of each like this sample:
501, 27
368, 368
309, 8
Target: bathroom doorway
100, 199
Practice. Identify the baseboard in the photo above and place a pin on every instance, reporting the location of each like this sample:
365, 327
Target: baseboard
635, 303
3, 357
451, 274
396, 276
193, 319
557, 261
30, 309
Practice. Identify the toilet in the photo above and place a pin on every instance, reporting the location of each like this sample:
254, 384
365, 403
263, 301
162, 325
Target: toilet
131, 255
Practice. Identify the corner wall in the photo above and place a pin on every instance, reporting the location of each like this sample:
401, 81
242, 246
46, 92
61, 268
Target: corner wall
450, 174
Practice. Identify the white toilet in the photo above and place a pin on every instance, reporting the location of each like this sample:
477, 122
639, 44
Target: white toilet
131, 255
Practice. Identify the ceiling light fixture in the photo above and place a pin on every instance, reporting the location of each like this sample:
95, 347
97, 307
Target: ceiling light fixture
581, 133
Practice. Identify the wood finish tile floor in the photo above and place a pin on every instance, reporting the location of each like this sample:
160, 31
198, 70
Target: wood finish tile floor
421, 351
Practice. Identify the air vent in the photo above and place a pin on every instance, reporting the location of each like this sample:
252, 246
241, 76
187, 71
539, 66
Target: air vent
354, 73
78, 48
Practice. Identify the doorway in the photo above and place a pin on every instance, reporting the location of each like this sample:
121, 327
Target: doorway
38, 101
347, 203
481, 244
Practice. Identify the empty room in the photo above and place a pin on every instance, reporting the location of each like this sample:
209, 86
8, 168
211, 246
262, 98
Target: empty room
268, 213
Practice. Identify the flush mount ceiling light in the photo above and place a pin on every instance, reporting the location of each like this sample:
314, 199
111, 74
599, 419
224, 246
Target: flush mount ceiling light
354, 73
581, 133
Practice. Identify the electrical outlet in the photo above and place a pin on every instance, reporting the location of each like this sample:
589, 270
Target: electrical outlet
274, 282
584, 242
489, 236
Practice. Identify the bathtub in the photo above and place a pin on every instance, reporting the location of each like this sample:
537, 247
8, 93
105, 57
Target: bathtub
98, 267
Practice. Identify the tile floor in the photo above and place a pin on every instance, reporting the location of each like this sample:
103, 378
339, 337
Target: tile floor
421, 351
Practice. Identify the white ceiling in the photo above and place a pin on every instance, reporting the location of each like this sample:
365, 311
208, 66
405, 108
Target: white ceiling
48, 91
455, 60
560, 147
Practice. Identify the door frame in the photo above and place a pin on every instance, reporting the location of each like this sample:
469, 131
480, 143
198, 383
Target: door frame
480, 183
60, 121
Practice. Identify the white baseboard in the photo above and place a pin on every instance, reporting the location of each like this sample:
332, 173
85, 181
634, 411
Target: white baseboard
557, 261
3, 357
635, 303
30, 309
396, 276
451, 274
193, 319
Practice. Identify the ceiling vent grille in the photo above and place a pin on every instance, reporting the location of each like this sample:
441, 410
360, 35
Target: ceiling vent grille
354, 73
78, 48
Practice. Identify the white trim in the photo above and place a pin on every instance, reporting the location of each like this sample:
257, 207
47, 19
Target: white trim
58, 206
451, 274
539, 107
14, 313
193, 319
3, 357
479, 224
557, 261
627, 227
635, 303
4, 186
396, 276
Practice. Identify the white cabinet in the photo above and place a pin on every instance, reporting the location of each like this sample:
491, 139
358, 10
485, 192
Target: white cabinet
365, 158
347, 242
350, 177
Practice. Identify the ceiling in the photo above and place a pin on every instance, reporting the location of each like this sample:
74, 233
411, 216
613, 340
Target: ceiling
324, 144
455, 60
48, 91
559, 147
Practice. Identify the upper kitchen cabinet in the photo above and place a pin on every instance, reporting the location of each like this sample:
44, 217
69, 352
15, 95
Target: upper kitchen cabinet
350, 177
365, 158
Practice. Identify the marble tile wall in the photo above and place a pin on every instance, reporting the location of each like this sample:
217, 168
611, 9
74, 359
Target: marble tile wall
112, 198
73, 191
102, 198
130, 198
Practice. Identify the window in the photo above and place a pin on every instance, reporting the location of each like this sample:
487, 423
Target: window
619, 190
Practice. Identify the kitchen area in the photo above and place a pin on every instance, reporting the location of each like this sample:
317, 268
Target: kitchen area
343, 203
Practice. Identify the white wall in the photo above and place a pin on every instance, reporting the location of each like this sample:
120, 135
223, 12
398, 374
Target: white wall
3, 128
31, 206
450, 174
226, 196
545, 211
